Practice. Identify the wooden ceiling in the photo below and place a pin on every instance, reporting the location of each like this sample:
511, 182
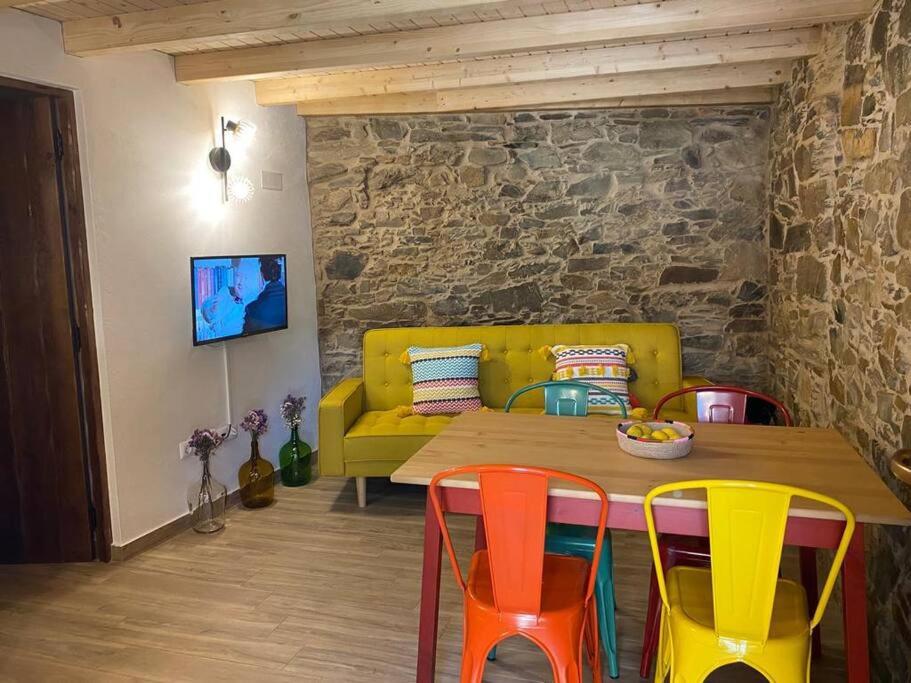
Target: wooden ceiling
331, 57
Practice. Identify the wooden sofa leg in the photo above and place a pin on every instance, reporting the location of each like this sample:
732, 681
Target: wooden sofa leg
360, 484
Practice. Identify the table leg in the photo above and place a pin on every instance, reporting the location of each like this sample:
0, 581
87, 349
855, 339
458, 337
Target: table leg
854, 603
430, 596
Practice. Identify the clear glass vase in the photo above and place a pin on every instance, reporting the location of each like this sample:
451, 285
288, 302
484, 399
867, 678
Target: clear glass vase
206, 501
256, 479
294, 458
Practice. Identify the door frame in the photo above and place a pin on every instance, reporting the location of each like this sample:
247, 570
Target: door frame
73, 209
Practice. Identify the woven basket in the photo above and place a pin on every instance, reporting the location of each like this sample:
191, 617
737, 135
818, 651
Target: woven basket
657, 450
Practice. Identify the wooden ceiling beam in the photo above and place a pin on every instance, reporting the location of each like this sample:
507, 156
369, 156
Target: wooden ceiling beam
566, 91
651, 21
755, 95
184, 26
736, 49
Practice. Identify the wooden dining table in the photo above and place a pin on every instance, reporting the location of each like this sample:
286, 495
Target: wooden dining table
816, 459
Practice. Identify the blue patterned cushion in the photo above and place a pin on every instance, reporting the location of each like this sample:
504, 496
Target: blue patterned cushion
445, 380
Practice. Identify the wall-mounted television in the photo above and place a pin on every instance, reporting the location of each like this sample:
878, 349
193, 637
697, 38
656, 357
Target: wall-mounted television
238, 296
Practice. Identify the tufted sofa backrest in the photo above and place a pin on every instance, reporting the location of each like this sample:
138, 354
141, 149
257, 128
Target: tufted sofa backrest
515, 361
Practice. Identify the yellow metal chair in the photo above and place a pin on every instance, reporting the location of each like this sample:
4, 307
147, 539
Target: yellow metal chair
739, 610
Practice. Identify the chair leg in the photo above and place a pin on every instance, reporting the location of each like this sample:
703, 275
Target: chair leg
663, 662
810, 581
474, 649
472, 666
652, 627
606, 608
595, 644
360, 483
565, 660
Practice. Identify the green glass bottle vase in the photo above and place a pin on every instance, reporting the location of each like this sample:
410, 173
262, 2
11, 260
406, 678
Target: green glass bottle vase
257, 486
294, 459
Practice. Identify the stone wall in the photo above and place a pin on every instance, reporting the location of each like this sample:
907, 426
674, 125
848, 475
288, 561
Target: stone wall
840, 273
545, 217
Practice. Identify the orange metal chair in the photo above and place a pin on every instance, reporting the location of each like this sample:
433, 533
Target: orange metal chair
739, 610
515, 588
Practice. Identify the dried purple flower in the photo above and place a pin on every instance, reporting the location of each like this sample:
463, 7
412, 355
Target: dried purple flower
204, 442
256, 422
291, 410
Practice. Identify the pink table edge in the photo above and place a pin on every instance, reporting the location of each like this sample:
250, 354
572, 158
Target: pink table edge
808, 532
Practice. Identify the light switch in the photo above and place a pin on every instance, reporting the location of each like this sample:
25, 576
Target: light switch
272, 181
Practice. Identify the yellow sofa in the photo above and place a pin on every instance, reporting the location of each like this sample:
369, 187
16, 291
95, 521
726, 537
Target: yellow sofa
361, 434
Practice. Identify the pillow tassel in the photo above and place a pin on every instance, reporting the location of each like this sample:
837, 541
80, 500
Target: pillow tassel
404, 411
405, 358
545, 352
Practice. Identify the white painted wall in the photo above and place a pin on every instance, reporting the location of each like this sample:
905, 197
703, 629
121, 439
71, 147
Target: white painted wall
151, 203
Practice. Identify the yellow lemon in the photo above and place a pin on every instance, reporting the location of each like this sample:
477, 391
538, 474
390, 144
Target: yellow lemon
646, 430
635, 430
660, 436
671, 432
639, 413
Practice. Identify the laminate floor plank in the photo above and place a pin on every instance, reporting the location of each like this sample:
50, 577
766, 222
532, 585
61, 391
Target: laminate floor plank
311, 589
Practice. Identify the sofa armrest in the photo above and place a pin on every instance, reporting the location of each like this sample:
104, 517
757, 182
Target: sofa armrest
338, 410
689, 401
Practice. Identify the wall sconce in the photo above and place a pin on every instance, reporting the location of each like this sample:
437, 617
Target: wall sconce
239, 188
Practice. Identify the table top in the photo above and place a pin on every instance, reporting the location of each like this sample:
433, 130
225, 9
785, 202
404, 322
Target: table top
816, 459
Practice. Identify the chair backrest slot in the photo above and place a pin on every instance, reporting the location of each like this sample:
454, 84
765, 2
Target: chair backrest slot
746, 533
514, 506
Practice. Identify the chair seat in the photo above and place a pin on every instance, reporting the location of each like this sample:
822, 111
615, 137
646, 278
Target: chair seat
563, 581
689, 591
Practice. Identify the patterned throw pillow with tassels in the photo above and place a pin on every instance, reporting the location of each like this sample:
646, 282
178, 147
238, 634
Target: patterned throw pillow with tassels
605, 366
445, 380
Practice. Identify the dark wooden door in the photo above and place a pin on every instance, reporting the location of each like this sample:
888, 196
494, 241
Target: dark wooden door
44, 485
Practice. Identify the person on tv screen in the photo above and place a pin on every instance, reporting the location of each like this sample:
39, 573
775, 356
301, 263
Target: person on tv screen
268, 310
224, 311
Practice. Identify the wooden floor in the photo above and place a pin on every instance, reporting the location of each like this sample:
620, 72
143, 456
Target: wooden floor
311, 589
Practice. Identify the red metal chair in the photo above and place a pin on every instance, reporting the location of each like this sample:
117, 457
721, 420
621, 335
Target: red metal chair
727, 404
724, 404
515, 588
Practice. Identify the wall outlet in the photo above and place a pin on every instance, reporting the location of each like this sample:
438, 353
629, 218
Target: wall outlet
229, 432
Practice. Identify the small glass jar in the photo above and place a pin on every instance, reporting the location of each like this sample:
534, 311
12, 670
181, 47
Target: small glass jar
206, 501
256, 479
294, 459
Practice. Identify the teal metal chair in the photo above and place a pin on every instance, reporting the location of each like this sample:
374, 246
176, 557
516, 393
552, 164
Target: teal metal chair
570, 398
567, 398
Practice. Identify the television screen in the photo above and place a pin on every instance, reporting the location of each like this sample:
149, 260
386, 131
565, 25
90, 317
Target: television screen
238, 296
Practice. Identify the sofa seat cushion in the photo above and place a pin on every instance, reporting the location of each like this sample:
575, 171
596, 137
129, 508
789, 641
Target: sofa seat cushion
369, 437
390, 423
